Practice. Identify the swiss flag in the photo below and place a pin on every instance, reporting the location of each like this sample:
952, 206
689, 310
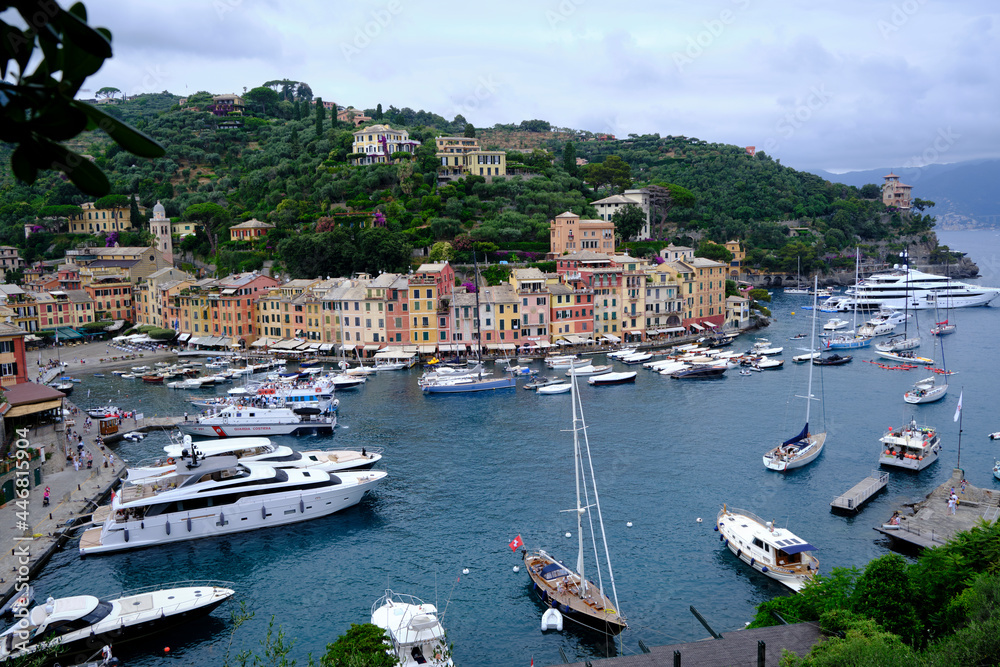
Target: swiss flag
516, 543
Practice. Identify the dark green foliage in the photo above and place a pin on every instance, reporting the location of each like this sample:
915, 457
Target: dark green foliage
569, 158
361, 646
883, 593
629, 221
866, 644
613, 172
495, 274
321, 116
470, 130
262, 99
40, 111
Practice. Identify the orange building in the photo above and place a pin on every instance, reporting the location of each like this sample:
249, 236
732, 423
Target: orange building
568, 234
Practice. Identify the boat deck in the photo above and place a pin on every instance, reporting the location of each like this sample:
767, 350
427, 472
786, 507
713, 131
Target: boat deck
861, 493
91, 538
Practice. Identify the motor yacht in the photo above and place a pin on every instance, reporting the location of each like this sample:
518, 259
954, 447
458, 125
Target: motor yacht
236, 420
220, 496
910, 447
80, 625
905, 287
775, 552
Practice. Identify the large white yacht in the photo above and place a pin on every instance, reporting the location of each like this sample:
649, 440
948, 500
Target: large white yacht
254, 450
235, 420
79, 626
775, 552
908, 288
219, 496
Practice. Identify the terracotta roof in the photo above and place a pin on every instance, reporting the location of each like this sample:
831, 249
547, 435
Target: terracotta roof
253, 223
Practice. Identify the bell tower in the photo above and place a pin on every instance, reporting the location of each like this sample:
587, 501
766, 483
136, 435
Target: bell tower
159, 225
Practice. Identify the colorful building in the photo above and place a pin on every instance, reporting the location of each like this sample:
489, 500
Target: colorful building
896, 193
112, 297
530, 285
376, 143
568, 234
249, 230
571, 313
13, 363
461, 156
94, 220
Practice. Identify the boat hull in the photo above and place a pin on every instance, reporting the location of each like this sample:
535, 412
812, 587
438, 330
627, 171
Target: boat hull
248, 513
930, 395
238, 430
612, 378
468, 387
741, 547
573, 609
807, 456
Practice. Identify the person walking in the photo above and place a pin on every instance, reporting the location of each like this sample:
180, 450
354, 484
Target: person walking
951, 503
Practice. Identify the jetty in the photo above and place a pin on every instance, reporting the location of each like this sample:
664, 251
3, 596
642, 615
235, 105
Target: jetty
861, 493
931, 523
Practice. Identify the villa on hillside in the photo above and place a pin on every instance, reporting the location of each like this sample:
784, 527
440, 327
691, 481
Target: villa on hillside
568, 234
377, 143
895, 193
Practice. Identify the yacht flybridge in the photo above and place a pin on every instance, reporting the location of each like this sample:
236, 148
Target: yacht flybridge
219, 496
254, 450
235, 420
909, 288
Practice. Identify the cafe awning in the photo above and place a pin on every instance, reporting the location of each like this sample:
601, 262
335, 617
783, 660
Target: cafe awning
697, 327
612, 338
326, 347
372, 346
426, 349
183, 337
674, 329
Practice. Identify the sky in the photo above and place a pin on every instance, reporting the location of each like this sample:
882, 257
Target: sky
825, 84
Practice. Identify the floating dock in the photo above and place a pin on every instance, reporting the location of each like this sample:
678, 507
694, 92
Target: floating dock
861, 492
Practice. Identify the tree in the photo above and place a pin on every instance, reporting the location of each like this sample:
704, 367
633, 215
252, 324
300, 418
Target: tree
320, 116
136, 218
106, 91
871, 191
613, 172
884, 594
921, 204
214, 219
378, 111
361, 645
263, 98
629, 221
569, 158
39, 109
715, 251
470, 130
664, 197
304, 93
440, 252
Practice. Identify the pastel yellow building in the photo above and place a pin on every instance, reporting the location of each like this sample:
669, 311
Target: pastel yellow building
93, 220
461, 156
376, 143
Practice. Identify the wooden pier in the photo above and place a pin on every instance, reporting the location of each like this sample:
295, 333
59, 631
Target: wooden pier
861, 492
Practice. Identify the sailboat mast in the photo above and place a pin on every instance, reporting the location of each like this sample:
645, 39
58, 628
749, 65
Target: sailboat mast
857, 273
577, 464
812, 347
479, 338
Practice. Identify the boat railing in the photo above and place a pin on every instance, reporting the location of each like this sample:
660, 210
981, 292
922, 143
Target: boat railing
748, 514
401, 598
192, 583
925, 533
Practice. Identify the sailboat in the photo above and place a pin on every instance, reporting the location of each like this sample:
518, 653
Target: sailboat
804, 447
943, 327
462, 384
898, 343
851, 340
799, 287
930, 389
559, 585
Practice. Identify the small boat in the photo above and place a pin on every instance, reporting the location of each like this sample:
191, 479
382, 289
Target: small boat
636, 358
927, 390
152, 379
832, 360
98, 375
561, 388
943, 329
542, 382
414, 631
119, 373
552, 619
134, 436
746, 371
65, 387
612, 378
905, 357
775, 552
995, 435
766, 364
103, 411
763, 348
590, 370
910, 447
524, 360
801, 358
798, 336
996, 469
835, 324
699, 372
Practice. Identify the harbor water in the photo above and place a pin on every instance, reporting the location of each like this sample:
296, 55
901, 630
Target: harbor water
467, 473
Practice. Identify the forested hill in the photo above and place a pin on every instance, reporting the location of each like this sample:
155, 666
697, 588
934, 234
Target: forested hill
284, 164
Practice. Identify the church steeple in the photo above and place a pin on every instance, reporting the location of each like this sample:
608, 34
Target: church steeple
159, 225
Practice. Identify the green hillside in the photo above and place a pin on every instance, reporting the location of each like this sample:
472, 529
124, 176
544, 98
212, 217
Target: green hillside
282, 164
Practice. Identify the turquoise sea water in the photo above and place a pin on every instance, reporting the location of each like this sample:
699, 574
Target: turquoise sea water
469, 472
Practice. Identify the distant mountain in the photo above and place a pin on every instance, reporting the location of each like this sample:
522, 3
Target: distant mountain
965, 193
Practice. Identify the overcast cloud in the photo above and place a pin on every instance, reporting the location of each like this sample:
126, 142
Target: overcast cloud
849, 84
